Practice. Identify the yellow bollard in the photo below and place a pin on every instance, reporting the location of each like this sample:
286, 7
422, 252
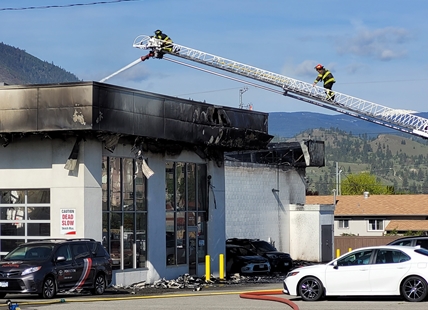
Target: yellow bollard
349, 249
337, 253
221, 266
207, 268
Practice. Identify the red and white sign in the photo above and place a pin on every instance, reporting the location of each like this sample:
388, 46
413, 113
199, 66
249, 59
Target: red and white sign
68, 221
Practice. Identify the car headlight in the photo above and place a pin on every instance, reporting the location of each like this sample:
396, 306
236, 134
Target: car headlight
291, 274
31, 270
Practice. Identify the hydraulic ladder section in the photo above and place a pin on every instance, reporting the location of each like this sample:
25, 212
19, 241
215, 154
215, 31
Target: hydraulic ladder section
392, 118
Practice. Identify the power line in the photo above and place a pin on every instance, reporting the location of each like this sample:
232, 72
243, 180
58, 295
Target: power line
64, 6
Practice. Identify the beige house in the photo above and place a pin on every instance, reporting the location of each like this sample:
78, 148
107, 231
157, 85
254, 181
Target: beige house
377, 215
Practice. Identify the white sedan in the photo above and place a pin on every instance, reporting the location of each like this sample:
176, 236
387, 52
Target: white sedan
370, 271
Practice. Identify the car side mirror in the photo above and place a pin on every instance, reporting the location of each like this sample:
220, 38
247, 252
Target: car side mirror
60, 259
335, 266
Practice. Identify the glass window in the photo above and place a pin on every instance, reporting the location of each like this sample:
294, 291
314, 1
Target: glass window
356, 258
375, 225
186, 202
124, 205
343, 223
23, 213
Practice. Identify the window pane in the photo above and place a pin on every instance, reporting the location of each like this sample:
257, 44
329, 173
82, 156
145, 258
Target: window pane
170, 185
140, 189
38, 196
12, 196
202, 249
202, 188
115, 181
128, 184
39, 213
141, 239
9, 229
191, 185
104, 182
181, 186
38, 229
7, 245
181, 237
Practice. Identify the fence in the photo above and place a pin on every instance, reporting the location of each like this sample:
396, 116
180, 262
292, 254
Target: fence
344, 243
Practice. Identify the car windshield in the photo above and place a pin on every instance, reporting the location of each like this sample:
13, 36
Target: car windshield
30, 253
264, 246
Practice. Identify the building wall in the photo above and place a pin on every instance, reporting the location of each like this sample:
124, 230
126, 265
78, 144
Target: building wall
36, 163
258, 198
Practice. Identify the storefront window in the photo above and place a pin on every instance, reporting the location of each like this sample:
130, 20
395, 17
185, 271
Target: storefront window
124, 211
186, 203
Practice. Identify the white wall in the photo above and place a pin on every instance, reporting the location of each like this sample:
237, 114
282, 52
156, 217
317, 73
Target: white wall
39, 163
258, 198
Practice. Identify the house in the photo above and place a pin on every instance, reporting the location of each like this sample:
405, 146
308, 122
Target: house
143, 173
376, 215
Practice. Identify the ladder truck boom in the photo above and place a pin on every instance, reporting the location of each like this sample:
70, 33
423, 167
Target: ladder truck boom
369, 111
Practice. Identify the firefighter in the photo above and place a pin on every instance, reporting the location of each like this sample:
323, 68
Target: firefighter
167, 45
327, 78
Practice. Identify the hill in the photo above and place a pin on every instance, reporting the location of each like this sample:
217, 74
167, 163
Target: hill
19, 67
397, 159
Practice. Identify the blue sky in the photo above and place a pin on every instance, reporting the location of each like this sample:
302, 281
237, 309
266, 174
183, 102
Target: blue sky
377, 50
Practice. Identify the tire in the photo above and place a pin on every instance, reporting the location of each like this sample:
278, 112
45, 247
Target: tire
48, 288
310, 289
414, 289
99, 285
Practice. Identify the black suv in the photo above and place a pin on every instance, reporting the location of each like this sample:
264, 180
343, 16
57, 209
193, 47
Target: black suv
279, 261
412, 241
49, 266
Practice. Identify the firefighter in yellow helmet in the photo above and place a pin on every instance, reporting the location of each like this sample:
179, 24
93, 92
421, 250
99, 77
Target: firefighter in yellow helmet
327, 78
167, 45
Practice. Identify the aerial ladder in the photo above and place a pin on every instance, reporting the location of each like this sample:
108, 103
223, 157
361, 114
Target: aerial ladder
396, 119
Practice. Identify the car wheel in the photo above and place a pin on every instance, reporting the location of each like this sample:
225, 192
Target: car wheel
310, 289
414, 289
99, 285
48, 288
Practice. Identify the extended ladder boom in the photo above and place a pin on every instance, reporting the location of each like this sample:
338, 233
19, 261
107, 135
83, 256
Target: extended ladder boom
396, 119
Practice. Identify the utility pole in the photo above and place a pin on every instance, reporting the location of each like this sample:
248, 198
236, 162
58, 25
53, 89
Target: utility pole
241, 91
338, 180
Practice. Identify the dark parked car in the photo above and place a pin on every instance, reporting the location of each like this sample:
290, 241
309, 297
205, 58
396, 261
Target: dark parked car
244, 261
412, 241
279, 261
50, 266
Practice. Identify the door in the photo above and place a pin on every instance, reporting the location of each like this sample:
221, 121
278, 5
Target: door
351, 276
327, 243
84, 268
66, 269
192, 249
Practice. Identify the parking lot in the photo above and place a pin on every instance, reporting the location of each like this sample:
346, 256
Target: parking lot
208, 298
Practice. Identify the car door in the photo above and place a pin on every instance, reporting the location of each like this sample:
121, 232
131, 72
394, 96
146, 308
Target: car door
386, 273
84, 267
351, 275
65, 269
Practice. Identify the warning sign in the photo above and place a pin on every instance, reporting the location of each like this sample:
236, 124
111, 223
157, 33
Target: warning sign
68, 221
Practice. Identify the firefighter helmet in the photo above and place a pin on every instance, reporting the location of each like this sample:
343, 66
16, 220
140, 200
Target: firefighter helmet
157, 32
319, 67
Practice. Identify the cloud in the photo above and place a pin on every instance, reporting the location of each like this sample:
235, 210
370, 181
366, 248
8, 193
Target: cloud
383, 44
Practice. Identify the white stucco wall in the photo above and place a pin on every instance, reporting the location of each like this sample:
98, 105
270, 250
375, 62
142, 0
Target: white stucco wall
258, 198
39, 163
